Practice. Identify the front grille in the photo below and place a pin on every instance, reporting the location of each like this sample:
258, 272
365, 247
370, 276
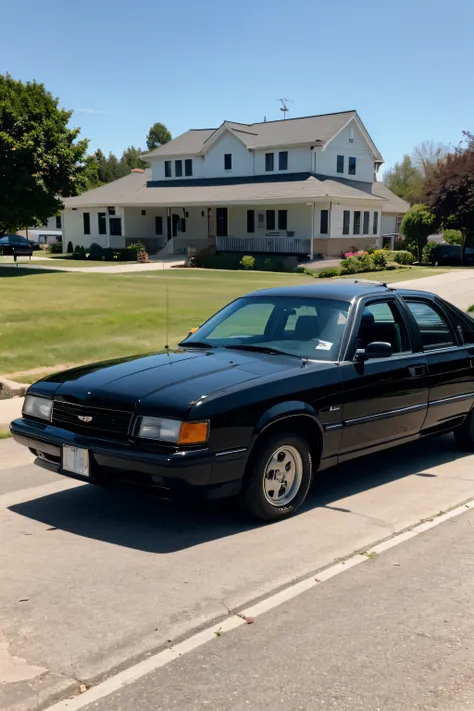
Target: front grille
111, 424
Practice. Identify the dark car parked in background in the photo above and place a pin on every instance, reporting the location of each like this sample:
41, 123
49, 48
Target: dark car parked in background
277, 386
447, 255
15, 246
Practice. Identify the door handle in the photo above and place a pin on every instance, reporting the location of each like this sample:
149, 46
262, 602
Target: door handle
417, 371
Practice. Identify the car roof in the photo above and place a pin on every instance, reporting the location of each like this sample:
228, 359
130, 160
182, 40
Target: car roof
339, 289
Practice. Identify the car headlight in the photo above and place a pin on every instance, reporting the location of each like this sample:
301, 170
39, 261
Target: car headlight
39, 407
172, 431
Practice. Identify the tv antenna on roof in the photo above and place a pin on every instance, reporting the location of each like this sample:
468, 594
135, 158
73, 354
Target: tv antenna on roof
284, 106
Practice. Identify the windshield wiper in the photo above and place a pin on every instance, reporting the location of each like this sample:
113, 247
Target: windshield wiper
256, 348
196, 344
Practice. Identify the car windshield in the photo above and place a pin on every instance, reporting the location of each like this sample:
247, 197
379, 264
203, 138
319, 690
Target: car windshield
302, 327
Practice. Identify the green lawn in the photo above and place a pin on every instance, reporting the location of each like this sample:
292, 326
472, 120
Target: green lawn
403, 274
53, 320
4, 434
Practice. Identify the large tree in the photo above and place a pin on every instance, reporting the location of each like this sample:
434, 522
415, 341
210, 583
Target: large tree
449, 191
405, 180
427, 155
133, 158
157, 136
41, 159
417, 225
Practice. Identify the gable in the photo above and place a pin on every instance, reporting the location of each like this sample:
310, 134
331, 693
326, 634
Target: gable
353, 136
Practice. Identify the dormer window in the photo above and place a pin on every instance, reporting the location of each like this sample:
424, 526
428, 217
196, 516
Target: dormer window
340, 164
283, 160
227, 161
352, 166
269, 162
178, 168
167, 169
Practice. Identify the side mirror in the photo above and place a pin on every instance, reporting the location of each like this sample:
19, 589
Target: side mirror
376, 349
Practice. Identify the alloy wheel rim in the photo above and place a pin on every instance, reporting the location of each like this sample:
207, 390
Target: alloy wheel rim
282, 476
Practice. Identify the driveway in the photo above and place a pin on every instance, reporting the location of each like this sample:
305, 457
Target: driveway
456, 286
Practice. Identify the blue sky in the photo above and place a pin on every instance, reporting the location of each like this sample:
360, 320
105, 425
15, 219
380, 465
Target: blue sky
405, 65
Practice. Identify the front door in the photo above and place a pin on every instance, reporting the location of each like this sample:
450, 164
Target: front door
385, 399
221, 222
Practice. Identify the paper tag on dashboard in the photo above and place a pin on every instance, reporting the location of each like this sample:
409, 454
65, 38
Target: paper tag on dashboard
324, 346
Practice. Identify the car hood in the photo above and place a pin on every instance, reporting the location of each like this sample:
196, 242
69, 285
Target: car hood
171, 382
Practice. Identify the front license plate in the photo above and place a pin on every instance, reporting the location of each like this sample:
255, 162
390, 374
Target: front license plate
76, 460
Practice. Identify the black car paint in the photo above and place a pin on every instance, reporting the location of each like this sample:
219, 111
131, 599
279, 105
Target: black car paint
16, 246
351, 408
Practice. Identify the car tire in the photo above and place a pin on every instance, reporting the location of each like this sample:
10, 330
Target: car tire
282, 459
464, 434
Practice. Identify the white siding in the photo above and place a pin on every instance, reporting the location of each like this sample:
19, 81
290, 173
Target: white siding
299, 161
326, 161
158, 168
137, 226
389, 224
73, 228
336, 220
298, 220
317, 219
242, 158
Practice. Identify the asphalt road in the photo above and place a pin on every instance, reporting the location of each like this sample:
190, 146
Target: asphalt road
393, 634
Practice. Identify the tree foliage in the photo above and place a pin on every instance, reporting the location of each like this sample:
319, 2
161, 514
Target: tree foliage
158, 135
417, 225
427, 155
41, 159
405, 180
132, 157
449, 191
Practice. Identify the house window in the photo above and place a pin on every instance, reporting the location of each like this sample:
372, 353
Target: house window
283, 160
58, 222
115, 226
111, 210
346, 221
158, 225
271, 218
87, 223
357, 222
183, 224
227, 161
376, 223
188, 167
167, 169
143, 213
324, 226
250, 221
261, 220
340, 164
269, 162
352, 166
282, 219
178, 168
366, 223
102, 223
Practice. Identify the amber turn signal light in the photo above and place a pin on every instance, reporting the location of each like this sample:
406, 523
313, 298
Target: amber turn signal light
193, 433
193, 330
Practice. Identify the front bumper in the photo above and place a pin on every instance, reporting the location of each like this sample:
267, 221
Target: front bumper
166, 473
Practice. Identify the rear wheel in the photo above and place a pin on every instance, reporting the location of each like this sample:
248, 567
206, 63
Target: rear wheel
278, 478
464, 434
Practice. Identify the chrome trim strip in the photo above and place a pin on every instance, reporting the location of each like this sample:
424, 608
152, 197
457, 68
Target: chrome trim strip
231, 451
453, 398
383, 415
335, 426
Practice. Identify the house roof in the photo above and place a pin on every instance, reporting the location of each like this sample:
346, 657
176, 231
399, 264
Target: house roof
394, 203
305, 130
297, 187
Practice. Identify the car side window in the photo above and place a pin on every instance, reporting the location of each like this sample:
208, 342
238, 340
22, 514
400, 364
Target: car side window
435, 331
382, 321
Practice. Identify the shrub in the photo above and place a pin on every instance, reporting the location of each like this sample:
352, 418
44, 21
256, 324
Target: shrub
96, 252
427, 254
137, 247
470, 308
79, 253
329, 272
380, 258
351, 265
403, 257
247, 262
452, 236
300, 270
70, 248
55, 248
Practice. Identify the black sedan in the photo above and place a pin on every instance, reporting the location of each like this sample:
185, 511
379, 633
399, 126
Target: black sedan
15, 246
277, 386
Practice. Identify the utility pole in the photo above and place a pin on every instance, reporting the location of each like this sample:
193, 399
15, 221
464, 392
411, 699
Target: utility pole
284, 106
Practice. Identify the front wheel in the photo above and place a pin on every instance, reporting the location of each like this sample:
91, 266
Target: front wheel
278, 478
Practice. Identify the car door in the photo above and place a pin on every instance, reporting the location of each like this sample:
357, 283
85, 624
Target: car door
384, 399
449, 349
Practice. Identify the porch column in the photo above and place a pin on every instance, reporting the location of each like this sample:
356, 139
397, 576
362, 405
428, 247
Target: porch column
312, 206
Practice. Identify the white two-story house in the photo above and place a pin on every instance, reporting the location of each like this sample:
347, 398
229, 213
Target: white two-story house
302, 186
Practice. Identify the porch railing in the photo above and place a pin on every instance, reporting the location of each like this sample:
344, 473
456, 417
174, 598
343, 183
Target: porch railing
152, 244
267, 245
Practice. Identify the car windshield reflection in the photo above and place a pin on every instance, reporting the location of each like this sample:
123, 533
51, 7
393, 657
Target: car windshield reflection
302, 327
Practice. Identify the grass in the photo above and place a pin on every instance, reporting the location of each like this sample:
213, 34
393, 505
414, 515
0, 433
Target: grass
54, 320
4, 434
403, 274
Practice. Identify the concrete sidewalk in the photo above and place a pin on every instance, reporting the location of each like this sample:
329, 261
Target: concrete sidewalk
124, 268
392, 634
10, 410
